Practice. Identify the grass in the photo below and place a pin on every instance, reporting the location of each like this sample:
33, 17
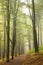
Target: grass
33, 50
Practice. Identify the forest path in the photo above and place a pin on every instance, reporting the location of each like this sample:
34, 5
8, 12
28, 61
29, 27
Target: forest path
17, 61
35, 59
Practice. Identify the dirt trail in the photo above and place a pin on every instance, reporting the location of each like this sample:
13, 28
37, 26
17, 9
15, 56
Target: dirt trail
35, 59
17, 61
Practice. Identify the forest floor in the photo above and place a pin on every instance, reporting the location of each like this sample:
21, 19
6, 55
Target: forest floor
17, 61
34, 59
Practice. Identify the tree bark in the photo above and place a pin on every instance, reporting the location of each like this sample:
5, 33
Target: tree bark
34, 30
4, 37
8, 29
38, 34
0, 46
14, 28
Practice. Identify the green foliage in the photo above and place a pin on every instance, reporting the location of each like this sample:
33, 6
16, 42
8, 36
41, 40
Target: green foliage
41, 48
32, 51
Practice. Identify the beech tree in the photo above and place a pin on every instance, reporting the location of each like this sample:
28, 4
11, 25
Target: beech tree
34, 29
8, 29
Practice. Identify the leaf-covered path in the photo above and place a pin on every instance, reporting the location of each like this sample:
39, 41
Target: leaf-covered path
35, 59
17, 61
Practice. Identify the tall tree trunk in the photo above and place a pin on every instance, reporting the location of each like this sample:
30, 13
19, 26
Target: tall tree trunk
16, 50
14, 31
8, 29
22, 48
0, 46
41, 34
19, 47
14, 28
29, 39
34, 30
14, 38
4, 36
38, 34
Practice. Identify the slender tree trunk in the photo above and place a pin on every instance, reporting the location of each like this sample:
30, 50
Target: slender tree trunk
8, 29
29, 45
0, 46
29, 39
14, 38
38, 34
14, 28
16, 51
4, 37
34, 30
22, 48
41, 34
19, 48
